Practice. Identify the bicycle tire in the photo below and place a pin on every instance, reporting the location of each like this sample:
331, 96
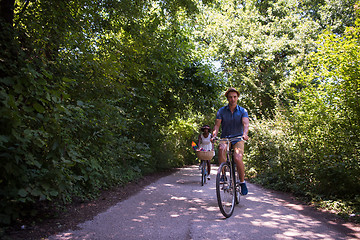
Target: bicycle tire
202, 177
237, 188
203, 173
225, 191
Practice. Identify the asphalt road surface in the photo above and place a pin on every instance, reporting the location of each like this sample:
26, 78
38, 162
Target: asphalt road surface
178, 207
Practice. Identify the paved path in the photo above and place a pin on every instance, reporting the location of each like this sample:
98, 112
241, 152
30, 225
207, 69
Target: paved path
177, 207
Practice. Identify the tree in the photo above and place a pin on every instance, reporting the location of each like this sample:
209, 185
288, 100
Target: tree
311, 148
327, 113
86, 88
263, 44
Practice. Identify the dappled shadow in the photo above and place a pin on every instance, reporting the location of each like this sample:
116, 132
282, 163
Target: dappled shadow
177, 207
262, 215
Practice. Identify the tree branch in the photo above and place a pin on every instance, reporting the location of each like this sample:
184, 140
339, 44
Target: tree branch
26, 4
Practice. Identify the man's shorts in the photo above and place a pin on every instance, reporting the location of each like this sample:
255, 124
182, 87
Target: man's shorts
239, 147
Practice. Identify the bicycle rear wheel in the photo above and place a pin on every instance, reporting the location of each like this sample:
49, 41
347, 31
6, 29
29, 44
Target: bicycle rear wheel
225, 190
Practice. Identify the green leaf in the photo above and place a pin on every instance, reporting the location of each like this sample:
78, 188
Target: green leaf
54, 193
55, 145
38, 107
22, 192
7, 80
36, 192
18, 88
4, 138
36, 163
11, 101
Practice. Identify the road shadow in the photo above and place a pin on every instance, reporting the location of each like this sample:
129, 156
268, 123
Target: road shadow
178, 207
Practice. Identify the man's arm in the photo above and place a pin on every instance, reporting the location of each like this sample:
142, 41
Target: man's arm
245, 122
216, 128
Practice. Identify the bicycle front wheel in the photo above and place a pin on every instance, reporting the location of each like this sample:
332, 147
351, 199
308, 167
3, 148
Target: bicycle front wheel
225, 190
203, 173
237, 185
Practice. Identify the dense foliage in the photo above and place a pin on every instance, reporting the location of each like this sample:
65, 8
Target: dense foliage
89, 93
296, 64
96, 93
318, 152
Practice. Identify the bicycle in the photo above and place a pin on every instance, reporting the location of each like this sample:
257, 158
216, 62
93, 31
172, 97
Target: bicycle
228, 188
204, 156
204, 173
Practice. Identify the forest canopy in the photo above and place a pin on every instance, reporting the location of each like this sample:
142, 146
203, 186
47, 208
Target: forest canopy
98, 93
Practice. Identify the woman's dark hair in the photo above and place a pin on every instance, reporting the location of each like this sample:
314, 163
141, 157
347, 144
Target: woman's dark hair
205, 127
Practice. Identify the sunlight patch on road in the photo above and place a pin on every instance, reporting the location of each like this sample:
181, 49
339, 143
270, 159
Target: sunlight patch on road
198, 200
182, 181
262, 200
294, 206
198, 191
261, 223
287, 219
65, 236
276, 214
159, 204
295, 233
211, 209
168, 185
179, 198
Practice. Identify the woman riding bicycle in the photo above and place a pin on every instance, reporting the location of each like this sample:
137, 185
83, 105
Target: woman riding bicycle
206, 144
234, 121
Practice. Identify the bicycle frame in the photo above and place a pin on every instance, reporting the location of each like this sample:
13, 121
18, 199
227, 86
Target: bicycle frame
230, 158
230, 151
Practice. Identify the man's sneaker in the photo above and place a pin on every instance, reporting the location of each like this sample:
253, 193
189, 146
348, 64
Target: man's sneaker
208, 177
244, 189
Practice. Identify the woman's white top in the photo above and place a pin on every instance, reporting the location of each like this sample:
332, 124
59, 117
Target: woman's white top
206, 144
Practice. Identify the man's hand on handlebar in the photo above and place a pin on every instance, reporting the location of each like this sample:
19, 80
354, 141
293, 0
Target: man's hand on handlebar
245, 137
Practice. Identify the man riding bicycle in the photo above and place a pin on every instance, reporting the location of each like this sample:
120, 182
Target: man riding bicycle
234, 121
